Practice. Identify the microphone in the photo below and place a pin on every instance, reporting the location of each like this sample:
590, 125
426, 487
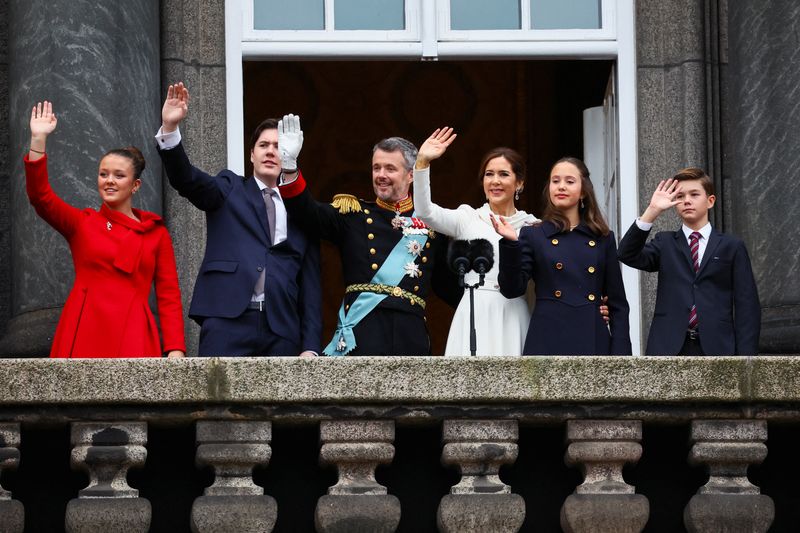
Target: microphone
458, 259
481, 255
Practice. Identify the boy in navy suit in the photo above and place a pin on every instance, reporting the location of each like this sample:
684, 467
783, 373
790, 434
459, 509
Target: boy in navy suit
707, 301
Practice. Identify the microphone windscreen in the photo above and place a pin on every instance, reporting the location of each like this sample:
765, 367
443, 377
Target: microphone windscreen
458, 252
482, 248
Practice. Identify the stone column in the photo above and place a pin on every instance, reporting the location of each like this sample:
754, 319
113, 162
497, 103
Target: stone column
728, 502
764, 157
604, 502
99, 65
233, 502
106, 451
12, 513
480, 501
193, 48
357, 503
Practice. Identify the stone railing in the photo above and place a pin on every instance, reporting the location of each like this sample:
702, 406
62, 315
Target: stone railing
477, 416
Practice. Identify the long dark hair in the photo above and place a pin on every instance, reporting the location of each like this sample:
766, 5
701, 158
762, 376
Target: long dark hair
590, 212
512, 156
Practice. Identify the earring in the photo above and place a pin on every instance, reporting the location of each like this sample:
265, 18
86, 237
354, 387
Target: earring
516, 194
582, 203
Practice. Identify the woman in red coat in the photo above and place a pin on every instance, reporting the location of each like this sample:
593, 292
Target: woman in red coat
117, 252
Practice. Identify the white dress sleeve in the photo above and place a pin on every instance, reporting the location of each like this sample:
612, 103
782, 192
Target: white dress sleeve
446, 221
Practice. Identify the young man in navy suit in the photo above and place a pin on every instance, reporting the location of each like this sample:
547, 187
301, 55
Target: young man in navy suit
258, 289
707, 301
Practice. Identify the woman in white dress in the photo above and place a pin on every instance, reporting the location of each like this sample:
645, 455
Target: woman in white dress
501, 324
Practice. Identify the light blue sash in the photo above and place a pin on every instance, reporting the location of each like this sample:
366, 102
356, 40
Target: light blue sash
390, 273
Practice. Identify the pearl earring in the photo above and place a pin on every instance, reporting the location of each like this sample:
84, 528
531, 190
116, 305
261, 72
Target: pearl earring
582, 206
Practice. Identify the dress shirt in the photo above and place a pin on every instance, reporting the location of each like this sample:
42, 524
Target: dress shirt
705, 233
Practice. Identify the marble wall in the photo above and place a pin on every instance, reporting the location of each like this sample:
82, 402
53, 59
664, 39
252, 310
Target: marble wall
5, 201
764, 154
99, 64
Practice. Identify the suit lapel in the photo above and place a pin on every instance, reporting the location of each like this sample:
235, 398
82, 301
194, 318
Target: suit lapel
256, 200
683, 246
713, 241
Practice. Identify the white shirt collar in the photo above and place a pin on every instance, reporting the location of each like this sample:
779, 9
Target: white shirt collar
262, 186
705, 231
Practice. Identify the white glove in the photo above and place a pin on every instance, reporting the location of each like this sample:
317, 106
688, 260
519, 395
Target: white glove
290, 141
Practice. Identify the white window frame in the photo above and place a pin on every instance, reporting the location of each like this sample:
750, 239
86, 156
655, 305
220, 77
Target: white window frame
411, 31
606, 32
621, 47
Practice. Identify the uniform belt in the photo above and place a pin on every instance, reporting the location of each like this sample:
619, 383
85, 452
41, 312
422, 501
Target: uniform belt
391, 290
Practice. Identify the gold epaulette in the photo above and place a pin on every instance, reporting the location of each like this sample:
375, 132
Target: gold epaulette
346, 203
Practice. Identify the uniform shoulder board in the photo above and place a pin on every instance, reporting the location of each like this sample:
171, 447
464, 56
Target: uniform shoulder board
346, 203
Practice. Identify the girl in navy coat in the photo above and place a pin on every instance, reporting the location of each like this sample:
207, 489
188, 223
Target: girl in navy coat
572, 258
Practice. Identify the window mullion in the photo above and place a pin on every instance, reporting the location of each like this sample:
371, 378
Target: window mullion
330, 22
525, 14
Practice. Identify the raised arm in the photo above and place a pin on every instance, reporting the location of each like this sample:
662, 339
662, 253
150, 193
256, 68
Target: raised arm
175, 108
43, 122
55, 211
446, 221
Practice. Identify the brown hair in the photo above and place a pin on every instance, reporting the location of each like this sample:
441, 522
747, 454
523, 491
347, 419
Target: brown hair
135, 156
266, 124
694, 173
512, 156
590, 212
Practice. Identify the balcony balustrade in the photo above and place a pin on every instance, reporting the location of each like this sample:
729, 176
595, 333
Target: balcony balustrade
581, 444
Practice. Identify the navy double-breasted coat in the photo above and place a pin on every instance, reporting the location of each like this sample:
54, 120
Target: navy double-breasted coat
572, 271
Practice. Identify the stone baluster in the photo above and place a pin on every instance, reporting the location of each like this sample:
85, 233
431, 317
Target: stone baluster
604, 502
480, 501
728, 502
234, 502
12, 513
357, 503
106, 450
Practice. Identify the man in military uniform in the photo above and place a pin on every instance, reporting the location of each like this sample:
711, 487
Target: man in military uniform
389, 257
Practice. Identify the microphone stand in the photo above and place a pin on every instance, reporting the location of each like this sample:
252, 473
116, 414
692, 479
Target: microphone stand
473, 342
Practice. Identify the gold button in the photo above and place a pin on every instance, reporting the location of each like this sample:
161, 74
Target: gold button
372, 251
374, 266
416, 288
370, 236
554, 241
592, 243
347, 307
397, 291
424, 259
591, 270
427, 245
591, 297
559, 266
557, 294
369, 221
366, 211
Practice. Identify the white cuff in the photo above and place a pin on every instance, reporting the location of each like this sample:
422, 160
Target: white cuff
644, 226
168, 141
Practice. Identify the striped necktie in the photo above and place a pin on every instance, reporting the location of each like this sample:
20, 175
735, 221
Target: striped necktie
694, 246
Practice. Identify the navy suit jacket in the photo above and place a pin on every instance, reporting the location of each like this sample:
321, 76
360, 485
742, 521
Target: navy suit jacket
728, 311
238, 248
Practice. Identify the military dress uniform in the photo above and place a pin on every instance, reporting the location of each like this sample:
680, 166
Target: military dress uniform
572, 271
372, 237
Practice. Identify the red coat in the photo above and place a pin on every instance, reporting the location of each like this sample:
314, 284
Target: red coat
116, 260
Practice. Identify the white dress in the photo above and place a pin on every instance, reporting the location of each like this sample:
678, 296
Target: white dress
500, 323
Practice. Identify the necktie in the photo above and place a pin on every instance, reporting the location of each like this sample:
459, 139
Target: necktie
694, 246
269, 204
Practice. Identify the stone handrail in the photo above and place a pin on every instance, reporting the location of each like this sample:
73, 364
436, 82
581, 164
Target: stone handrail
480, 402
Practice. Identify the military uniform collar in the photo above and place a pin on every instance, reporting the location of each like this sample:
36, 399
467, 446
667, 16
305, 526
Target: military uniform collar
403, 206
